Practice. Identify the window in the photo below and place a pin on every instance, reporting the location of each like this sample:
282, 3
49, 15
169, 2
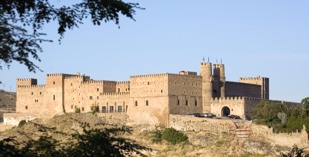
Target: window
90, 97
54, 82
54, 97
31, 93
147, 103
26, 107
97, 97
178, 102
111, 109
40, 93
187, 102
126, 108
103, 109
148, 83
98, 89
195, 103
119, 108
118, 90
72, 106
71, 84
83, 108
161, 91
136, 103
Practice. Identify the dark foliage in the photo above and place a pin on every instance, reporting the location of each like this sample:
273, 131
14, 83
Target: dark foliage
282, 117
295, 152
168, 134
17, 44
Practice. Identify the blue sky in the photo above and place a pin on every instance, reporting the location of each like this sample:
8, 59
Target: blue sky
253, 38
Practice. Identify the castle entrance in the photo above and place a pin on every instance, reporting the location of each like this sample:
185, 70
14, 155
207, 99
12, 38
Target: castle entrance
225, 111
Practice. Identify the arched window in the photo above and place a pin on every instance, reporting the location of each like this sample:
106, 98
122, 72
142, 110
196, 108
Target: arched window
136, 103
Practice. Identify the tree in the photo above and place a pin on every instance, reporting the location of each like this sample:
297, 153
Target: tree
17, 44
305, 106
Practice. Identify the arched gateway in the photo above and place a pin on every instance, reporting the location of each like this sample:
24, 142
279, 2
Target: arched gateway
225, 111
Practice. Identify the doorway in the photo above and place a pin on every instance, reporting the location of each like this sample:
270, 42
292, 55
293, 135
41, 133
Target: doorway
225, 111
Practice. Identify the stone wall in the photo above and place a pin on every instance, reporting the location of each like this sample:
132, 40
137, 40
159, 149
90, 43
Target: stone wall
15, 118
185, 94
234, 89
189, 123
282, 139
236, 106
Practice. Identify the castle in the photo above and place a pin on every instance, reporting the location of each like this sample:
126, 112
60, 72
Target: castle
146, 99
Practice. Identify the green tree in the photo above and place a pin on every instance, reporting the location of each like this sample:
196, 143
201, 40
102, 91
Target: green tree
305, 106
17, 44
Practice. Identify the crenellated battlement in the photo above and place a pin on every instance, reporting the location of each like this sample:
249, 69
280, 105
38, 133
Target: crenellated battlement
149, 75
97, 82
52, 75
114, 93
218, 66
73, 77
205, 63
251, 78
123, 82
25, 79
227, 98
31, 86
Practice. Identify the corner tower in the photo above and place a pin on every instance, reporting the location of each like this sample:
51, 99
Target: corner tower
206, 73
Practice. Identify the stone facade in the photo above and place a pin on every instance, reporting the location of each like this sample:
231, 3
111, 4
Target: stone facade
145, 99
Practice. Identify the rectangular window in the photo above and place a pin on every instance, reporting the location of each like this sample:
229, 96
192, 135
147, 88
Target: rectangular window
98, 89
119, 108
26, 107
178, 102
103, 109
90, 97
118, 90
31, 93
83, 108
111, 109
187, 102
54, 97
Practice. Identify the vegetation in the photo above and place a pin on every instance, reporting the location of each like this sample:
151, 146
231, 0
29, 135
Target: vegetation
91, 142
95, 108
282, 117
17, 17
77, 110
170, 135
295, 152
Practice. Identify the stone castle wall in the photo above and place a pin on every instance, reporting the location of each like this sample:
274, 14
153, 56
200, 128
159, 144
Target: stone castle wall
235, 89
235, 104
185, 94
189, 123
148, 103
284, 139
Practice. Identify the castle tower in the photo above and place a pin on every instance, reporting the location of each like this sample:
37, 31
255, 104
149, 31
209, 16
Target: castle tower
206, 73
54, 93
219, 80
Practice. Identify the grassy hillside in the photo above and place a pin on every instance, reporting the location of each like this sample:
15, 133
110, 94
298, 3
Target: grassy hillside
89, 134
7, 101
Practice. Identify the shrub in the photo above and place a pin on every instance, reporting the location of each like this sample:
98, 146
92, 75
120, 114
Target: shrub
173, 136
156, 136
77, 110
22, 123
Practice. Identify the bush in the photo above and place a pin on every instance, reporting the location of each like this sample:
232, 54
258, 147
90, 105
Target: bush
156, 136
22, 123
77, 110
173, 136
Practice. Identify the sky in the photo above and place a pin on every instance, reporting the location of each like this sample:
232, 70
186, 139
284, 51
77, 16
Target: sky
252, 38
